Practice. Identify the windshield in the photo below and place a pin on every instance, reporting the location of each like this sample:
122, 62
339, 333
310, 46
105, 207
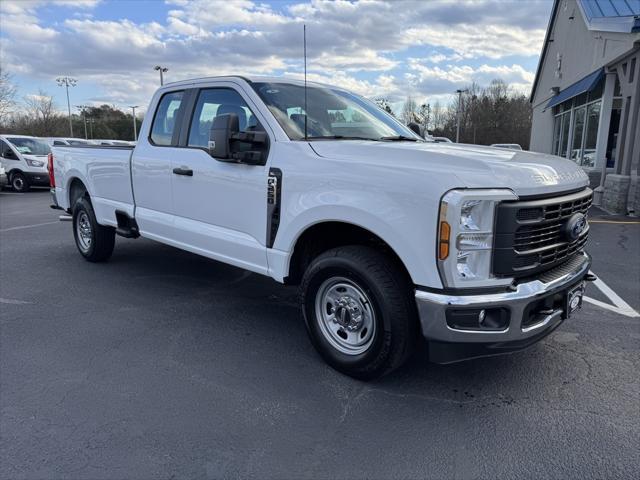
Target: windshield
332, 114
30, 146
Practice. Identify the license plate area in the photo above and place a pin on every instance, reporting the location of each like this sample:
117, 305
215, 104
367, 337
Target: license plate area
573, 299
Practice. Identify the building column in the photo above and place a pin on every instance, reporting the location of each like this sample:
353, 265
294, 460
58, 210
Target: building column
606, 108
617, 187
634, 112
604, 122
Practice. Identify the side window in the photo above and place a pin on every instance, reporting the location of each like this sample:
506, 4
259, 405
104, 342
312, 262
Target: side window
58, 142
165, 118
218, 101
5, 150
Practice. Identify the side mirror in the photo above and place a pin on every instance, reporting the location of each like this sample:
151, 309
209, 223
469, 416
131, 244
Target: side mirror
415, 128
224, 126
228, 144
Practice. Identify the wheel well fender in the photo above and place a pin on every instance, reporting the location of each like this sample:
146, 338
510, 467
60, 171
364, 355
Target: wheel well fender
76, 190
322, 236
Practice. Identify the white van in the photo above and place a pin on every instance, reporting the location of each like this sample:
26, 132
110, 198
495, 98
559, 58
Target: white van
24, 159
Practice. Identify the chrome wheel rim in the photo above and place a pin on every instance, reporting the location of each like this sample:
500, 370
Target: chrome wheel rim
345, 315
83, 229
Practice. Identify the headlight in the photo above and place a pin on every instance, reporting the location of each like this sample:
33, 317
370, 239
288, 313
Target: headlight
465, 237
35, 163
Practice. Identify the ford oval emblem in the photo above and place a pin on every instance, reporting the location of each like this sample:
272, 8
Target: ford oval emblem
575, 226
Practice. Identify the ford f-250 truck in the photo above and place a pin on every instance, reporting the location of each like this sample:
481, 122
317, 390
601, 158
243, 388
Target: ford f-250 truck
390, 236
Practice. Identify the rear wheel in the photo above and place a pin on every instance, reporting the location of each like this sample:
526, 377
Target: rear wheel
19, 182
359, 311
95, 242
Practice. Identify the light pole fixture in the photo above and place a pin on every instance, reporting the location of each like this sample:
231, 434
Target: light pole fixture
162, 70
135, 128
67, 82
459, 92
83, 109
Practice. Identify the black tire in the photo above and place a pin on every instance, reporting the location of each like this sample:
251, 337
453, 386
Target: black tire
19, 182
101, 239
389, 292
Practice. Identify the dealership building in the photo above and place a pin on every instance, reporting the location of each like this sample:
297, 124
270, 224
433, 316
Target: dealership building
586, 95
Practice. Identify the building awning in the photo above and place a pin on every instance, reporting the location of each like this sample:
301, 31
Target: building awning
587, 84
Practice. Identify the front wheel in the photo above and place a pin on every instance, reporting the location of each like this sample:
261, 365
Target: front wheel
95, 242
359, 311
19, 182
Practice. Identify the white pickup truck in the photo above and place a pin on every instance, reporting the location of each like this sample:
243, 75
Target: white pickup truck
391, 237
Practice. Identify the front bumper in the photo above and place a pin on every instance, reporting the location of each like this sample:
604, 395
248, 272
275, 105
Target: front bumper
533, 309
37, 179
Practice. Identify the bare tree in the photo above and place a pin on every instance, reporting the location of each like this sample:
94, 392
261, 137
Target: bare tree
409, 111
438, 116
41, 113
424, 116
7, 95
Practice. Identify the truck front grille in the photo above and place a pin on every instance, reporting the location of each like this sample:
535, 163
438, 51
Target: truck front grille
532, 236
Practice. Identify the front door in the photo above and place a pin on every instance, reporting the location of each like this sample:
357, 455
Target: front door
219, 208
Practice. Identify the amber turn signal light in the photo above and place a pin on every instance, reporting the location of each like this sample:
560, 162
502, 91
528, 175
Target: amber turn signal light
443, 244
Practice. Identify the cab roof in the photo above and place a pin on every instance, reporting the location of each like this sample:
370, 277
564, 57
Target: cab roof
247, 79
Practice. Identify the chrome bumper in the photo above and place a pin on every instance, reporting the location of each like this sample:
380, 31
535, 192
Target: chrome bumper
432, 309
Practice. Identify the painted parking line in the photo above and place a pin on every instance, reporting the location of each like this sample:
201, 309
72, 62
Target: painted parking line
22, 227
619, 305
614, 222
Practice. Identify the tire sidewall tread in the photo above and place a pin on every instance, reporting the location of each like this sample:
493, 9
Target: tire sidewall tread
389, 291
103, 238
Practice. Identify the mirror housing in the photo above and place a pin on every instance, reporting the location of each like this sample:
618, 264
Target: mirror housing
228, 144
224, 126
415, 128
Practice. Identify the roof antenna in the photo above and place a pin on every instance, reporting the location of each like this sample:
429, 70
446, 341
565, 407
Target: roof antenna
304, 30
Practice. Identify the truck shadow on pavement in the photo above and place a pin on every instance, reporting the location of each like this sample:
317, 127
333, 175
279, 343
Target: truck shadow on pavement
230, 300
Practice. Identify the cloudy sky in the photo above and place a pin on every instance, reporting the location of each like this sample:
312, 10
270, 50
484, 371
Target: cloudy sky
392, 48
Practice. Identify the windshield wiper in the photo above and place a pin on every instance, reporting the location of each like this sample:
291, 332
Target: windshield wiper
398, 138
338, 137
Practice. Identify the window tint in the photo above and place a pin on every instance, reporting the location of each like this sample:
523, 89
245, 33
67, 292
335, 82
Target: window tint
30, 146
164, 121
4, 146
218, 101
331, 113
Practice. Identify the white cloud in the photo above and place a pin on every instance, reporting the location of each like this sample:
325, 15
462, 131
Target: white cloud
359, 45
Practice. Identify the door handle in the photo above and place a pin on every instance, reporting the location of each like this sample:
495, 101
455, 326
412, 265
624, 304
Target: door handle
183, 171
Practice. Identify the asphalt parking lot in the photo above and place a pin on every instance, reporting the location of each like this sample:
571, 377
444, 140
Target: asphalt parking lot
161, 364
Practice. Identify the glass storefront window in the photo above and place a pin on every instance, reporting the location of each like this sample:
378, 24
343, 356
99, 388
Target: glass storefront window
591, 135
566, 119
556, 134
578, 130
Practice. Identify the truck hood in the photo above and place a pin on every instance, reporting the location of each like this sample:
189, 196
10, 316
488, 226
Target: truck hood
474, 166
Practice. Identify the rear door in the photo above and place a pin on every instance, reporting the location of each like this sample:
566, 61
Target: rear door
152, 170
220, 210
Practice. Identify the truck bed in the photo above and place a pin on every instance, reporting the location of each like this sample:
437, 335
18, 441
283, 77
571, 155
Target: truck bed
106, 169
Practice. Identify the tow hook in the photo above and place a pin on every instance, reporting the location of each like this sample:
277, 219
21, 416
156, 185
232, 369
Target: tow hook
590, 277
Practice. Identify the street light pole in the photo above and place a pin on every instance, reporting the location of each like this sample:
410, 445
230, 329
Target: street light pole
84, 118
459, 92
162, 70
67, 82
135, 128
